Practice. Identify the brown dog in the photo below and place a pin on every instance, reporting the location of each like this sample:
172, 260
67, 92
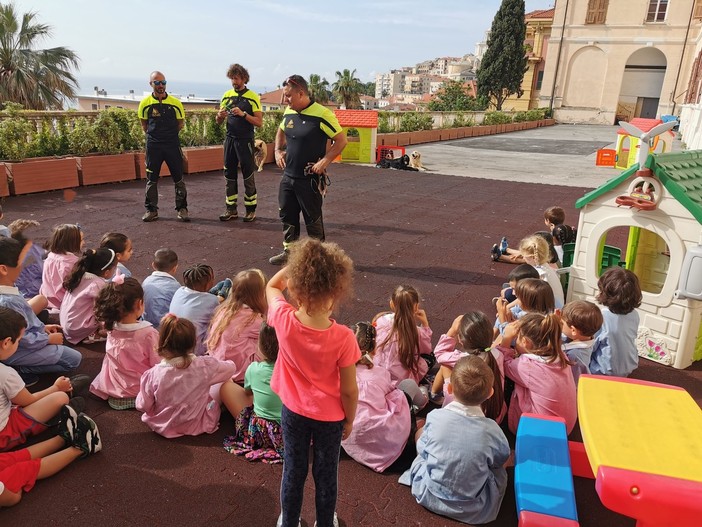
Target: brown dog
416, 161
260, 153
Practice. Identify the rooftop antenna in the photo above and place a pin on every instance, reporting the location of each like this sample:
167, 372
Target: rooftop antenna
646, 139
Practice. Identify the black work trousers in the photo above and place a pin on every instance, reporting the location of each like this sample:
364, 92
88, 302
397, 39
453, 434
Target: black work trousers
156, 155
295, 196
240, 152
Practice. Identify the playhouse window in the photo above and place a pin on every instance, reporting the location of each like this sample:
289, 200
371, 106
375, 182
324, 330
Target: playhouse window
641, 251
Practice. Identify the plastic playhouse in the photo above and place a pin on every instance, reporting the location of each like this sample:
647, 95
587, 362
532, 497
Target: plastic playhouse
361, 127
627, 146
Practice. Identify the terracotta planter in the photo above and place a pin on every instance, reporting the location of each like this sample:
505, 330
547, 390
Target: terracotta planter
4, 187
549, 122
460, 133
42, 175
93, 170
387, 139
469, 131
270, 154
203, 159
403, 138
419, 137
140, 162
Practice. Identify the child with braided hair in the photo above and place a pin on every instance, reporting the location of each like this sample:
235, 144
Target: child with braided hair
131, 343
194, 302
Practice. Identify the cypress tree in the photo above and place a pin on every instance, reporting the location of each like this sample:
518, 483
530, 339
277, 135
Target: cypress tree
504, 63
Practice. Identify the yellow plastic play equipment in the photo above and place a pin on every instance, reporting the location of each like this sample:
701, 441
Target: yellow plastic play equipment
627, 146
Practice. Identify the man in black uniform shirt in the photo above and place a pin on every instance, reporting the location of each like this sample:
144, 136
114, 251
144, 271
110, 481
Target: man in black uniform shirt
162, 118
301, 150
241, 108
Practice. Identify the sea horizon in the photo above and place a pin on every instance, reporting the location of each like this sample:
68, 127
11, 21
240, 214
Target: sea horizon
122, 85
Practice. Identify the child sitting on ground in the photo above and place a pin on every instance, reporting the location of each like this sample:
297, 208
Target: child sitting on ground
258, 434
122, 246
24, 414
194, 302
470, 334
404, 337
160, 286
459, 469
88, 276
385, 425
533, 296
540, 370
554, 218
233, 333
581, 321
29, 280
182, 394
520, 272
131, 343
615, 350
535, 251
40, 349
64, 246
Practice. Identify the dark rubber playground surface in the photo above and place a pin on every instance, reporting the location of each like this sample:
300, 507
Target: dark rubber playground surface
424, 229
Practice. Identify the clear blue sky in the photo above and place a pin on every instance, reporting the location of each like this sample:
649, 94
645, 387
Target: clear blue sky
197, 40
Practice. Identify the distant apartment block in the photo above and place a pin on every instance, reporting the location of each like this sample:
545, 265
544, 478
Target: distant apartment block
101, 100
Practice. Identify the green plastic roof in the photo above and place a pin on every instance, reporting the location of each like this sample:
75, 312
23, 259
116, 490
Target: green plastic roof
679, 172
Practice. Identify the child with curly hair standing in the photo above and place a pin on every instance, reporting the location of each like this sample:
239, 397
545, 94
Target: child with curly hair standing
315, 374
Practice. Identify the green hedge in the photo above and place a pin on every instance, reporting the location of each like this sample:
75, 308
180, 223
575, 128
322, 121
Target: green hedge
110, 131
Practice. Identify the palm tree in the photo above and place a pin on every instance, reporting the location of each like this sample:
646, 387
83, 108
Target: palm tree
38, 79
319, 88
347, 88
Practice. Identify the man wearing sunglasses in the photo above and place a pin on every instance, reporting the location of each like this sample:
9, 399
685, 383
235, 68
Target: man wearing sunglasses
301, 151
241, 108
162, 118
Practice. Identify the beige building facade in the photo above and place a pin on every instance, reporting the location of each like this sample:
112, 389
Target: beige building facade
613, 60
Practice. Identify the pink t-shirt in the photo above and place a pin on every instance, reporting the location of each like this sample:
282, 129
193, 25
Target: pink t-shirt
239, 340
540, 388
306, 374
382, 425
56, 268
77, 314
387, 355
130, 351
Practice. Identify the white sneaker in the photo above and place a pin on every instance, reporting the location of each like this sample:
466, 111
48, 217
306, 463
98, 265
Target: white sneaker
335, 522
279, 523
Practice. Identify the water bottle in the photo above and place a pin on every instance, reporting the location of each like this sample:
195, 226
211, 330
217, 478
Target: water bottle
503, 245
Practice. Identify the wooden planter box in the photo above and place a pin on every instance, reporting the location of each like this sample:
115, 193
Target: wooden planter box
4, 187
140, 162
203, 159
42, 175
93, 170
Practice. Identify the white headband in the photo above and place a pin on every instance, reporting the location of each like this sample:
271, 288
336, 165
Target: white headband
112, 259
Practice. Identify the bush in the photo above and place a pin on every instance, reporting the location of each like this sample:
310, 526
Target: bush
497, 118
535, 115
384, 126
461, 121
82, 137
520, 117
415, 121
267, 131
16, 134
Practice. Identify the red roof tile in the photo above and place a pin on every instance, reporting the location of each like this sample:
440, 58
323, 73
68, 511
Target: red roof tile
642, 124
273, 97
357, 118
541, 13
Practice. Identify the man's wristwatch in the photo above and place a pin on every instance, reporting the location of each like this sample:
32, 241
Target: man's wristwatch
244, 116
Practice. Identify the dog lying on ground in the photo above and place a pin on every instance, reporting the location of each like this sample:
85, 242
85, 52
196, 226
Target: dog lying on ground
415, 161
401, 163
260, 153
